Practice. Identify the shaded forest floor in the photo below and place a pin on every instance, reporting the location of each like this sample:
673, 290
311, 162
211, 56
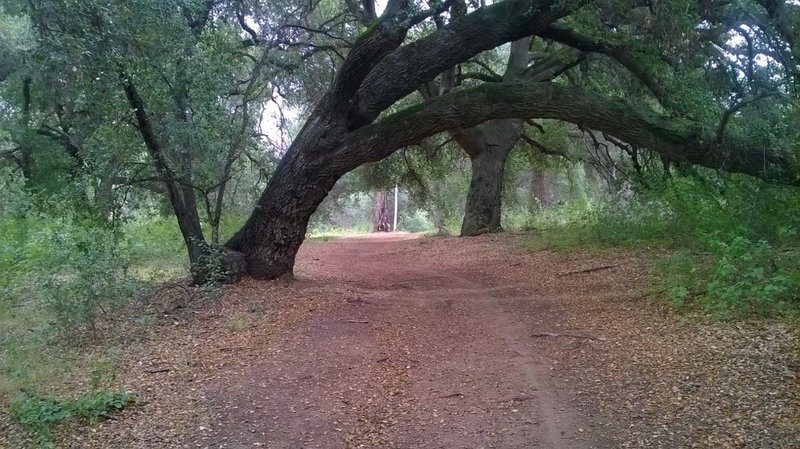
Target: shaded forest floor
446, 343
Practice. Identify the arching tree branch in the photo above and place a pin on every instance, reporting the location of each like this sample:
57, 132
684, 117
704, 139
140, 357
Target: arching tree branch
677, 139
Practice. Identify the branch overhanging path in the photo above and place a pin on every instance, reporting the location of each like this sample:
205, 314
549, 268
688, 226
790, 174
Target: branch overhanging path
344, 131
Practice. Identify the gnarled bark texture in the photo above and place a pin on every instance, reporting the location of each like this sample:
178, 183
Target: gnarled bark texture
488, 146
272, 235
377, 72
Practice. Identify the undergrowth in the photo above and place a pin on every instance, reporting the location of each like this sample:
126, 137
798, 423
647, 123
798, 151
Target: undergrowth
737, 276
734, 240
40, 415
70, 278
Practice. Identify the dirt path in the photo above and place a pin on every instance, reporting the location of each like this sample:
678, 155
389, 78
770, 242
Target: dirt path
394, 342
424, 353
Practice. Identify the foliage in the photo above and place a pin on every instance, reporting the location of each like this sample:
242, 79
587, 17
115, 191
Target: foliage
155, 246
417, 222
68, 275
39, 415
735, 239
737, 276
212, 271
64, 266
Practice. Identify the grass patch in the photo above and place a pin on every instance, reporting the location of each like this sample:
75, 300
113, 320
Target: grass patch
326, 234
239, 322
40, 415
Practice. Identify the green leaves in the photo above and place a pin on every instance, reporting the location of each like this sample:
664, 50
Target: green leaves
41, 414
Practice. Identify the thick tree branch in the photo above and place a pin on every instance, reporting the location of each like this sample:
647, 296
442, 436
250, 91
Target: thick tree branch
150, 139
677, 139
406, 68
240, 17
372, 46
60, 136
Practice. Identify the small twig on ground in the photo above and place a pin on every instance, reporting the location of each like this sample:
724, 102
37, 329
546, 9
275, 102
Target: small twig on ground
589, 270
358, 322
517, 399
452, 395
157, 370
551, 334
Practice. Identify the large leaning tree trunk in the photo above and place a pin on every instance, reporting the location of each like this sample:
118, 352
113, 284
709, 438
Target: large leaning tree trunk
344, 132
331, 142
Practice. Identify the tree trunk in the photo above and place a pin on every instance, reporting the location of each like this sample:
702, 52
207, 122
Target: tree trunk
181, 195
380, 216
25, 149
488, 146
483, 209
272, 235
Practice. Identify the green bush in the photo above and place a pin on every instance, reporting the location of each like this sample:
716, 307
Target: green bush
156, 247
39, 415
417, 222
79, 272
735, 239
63, 272
737, 276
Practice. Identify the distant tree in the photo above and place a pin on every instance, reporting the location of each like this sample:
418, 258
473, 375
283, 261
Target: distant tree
381, 220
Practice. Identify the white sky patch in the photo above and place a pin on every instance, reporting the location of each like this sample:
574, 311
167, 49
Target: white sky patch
736, 39
380, 6
277, 122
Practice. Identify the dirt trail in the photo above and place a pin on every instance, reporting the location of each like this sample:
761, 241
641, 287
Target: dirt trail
393, 342
425, 352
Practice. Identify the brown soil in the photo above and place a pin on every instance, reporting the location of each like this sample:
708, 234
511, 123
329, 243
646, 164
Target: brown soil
391, 342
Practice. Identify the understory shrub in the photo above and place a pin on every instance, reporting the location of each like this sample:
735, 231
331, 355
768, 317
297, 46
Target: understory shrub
39, 415
737, 276
734, 239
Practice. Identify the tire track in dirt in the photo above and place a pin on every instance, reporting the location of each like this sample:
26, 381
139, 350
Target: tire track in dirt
420, 353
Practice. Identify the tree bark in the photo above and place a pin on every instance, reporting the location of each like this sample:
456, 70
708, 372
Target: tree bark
483, 210
272, 235
331, 143
380, 216
26, 158
487, 146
